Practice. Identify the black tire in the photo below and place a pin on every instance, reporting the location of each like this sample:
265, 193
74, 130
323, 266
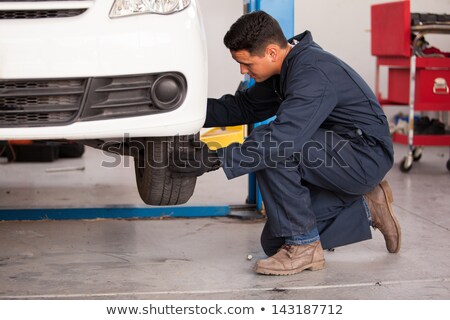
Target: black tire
155, 183
448, 165
417, 153
405, 166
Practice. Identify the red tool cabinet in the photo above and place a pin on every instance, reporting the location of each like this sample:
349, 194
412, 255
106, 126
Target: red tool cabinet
414, 79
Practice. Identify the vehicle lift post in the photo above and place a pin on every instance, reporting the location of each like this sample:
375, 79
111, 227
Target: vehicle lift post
283, 12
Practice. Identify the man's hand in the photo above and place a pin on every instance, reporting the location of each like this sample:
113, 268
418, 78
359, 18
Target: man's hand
194, 161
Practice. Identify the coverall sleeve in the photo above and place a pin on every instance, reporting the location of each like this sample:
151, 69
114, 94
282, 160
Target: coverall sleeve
255, 104
309, 99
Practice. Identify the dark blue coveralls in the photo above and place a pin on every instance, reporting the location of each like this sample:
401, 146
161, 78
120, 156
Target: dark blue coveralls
328, 146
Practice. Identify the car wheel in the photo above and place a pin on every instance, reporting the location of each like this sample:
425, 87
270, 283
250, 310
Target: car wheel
155, 183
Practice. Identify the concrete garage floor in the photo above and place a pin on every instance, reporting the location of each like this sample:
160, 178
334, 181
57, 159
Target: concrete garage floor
206, 258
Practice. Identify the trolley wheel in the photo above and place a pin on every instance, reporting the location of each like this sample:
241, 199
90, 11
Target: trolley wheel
448, 165
406, 164
417, 153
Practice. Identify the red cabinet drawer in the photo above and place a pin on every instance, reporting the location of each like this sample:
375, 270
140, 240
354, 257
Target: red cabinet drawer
430, 93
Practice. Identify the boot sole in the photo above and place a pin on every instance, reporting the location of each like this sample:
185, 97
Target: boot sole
319, 265
390, 199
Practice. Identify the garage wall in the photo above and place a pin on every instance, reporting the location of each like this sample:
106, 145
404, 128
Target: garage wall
339, 26
218, 16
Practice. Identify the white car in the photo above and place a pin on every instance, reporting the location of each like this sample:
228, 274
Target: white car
127, 75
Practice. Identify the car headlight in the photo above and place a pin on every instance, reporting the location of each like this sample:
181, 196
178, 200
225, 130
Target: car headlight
122, 8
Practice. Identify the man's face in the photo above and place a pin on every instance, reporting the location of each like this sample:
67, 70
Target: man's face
260, 68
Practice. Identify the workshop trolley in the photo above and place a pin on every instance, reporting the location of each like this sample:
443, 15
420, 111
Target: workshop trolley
415, 79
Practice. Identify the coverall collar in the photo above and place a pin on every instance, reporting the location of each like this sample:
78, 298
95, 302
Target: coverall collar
304, 40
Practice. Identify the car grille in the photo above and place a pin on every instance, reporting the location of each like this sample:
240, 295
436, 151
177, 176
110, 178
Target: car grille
120, 95
59, 102
39, 14
35, 103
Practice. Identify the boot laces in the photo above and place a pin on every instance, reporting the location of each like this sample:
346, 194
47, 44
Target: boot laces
288, 248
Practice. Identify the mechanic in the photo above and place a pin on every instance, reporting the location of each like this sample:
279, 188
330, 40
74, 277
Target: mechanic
320, 164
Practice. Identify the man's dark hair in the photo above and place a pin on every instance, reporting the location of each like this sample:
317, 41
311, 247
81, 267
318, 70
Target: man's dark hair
254, 32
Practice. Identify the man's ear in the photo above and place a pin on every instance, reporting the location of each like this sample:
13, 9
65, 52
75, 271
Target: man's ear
272, 52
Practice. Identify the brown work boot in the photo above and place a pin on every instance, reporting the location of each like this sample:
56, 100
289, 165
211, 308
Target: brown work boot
292, 259
379, 201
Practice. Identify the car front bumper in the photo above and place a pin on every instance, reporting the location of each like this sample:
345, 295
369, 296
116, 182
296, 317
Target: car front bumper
93, 46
